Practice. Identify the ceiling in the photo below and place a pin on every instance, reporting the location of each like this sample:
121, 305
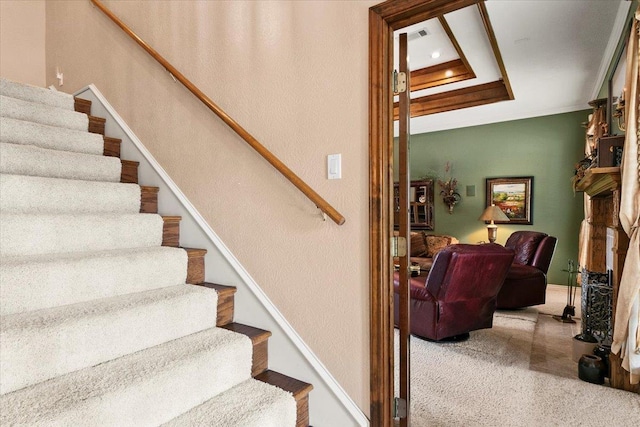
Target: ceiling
555, 53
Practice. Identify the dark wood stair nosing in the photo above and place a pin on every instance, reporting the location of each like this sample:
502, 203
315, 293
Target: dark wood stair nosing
129, 172
96, 124
260, 340
299, 389
111, 146
171, 231
82, 105
195, 266
226, 302
148, 199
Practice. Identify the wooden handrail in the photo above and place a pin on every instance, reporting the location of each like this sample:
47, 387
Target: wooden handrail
322, 204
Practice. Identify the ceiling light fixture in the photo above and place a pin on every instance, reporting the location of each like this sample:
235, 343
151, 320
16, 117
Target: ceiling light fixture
436, 54
448, 73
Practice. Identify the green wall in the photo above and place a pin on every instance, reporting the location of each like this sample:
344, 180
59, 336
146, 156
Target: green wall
543, 147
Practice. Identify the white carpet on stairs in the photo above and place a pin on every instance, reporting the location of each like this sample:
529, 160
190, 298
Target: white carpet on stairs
97, 331
55, 138
36, 282
43, 114
249, 404
97, 325
149, 387
31, 194
35, 234
37, 94
30, 160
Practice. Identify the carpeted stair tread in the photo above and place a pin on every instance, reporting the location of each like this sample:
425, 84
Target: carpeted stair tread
29, 160
249, 404
149, 387
39, 345
42, 281
37, 94
43, 114
35, 195
77, 232
55, 138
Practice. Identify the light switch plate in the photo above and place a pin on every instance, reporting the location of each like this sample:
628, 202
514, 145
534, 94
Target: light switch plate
334, 166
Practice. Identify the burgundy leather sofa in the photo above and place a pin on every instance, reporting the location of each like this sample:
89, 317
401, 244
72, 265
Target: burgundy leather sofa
459, 294
526, 281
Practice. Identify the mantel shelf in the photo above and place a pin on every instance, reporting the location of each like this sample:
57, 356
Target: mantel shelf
599, 182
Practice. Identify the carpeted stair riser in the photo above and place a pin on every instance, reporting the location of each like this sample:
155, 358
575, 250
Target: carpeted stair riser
28, 160
38, 113
98, 331
36, 195
55, 138
38, 282
248, 404
37, 94
77, 233
150, 387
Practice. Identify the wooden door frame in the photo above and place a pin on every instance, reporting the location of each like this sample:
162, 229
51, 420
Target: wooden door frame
383, 20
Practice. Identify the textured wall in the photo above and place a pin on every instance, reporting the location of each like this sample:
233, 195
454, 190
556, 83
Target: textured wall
22, 35
543, 147
295, 75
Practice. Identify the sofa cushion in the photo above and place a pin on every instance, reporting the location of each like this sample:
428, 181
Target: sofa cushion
525, 244
436, 243
418, 245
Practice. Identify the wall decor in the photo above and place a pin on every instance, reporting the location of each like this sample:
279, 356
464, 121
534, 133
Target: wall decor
513, 196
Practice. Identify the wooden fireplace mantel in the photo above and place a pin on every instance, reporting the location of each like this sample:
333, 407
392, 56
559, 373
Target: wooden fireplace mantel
603, 185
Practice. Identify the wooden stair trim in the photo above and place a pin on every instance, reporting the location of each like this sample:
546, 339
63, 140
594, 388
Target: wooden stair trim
111, 146
260, 340
171, 231
299, 389
82, 105
96, 124
226, 302
148, 199
195, 265
129, 172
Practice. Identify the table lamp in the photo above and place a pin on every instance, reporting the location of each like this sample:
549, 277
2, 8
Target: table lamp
493, 213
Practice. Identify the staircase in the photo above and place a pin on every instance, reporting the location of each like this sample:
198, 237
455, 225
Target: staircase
105, 319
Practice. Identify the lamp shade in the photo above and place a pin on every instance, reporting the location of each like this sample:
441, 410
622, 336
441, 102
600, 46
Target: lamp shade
493, 213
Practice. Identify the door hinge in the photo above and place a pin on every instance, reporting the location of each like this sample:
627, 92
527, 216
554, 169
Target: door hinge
398, 246
399, 82
399, 408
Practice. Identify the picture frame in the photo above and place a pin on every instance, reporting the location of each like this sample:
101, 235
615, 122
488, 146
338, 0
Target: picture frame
513, 195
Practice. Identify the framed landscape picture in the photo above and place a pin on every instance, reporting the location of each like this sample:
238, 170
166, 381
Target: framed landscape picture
513, 197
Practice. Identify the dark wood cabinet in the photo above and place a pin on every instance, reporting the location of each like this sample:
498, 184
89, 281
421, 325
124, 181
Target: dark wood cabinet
420, 205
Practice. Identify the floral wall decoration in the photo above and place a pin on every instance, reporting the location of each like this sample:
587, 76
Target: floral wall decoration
448, 188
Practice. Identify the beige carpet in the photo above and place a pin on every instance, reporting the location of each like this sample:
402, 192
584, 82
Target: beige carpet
486, 381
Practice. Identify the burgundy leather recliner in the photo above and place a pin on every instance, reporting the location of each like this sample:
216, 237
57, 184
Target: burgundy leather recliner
526, 282
459, 294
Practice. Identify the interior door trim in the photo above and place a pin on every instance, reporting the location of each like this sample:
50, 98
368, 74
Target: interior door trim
383, 19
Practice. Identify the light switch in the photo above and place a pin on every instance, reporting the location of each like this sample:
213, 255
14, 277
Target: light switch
334, 166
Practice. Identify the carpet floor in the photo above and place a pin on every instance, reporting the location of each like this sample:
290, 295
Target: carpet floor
486, 381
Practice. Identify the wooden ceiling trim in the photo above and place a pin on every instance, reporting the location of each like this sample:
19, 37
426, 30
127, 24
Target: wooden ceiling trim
436, 75
400, 14
456, 45
473, 96
494, 45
